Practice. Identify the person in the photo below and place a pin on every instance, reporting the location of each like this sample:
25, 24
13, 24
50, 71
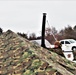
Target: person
58, 49
57, 44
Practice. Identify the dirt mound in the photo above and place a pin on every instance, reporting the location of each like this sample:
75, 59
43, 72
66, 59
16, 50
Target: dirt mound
18, 56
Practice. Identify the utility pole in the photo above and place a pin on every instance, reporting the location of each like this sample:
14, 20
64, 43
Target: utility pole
43, 31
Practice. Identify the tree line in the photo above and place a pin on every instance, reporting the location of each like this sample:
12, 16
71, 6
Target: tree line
51, 34
66, 33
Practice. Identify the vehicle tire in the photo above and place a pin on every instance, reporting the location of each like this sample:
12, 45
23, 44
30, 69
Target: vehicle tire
74, 52
74, 48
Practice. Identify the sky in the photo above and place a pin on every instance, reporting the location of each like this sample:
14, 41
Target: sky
26, 15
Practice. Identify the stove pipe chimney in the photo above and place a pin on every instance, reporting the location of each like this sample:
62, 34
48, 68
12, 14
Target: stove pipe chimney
43, 31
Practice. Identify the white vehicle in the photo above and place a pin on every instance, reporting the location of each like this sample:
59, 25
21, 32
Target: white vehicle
38, 42
69, 48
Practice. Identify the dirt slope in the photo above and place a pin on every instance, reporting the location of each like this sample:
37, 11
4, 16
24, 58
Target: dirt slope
18, 56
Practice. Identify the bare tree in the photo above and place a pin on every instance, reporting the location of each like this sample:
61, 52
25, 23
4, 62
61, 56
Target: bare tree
48, 31
54, 31
74, 28
61, 32
32, 36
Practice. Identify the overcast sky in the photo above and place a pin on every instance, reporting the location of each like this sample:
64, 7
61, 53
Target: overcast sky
26, 16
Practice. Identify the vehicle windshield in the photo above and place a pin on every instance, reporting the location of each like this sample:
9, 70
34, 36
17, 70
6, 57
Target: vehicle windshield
72, 41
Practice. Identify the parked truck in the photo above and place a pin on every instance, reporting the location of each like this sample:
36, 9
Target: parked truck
69, 48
